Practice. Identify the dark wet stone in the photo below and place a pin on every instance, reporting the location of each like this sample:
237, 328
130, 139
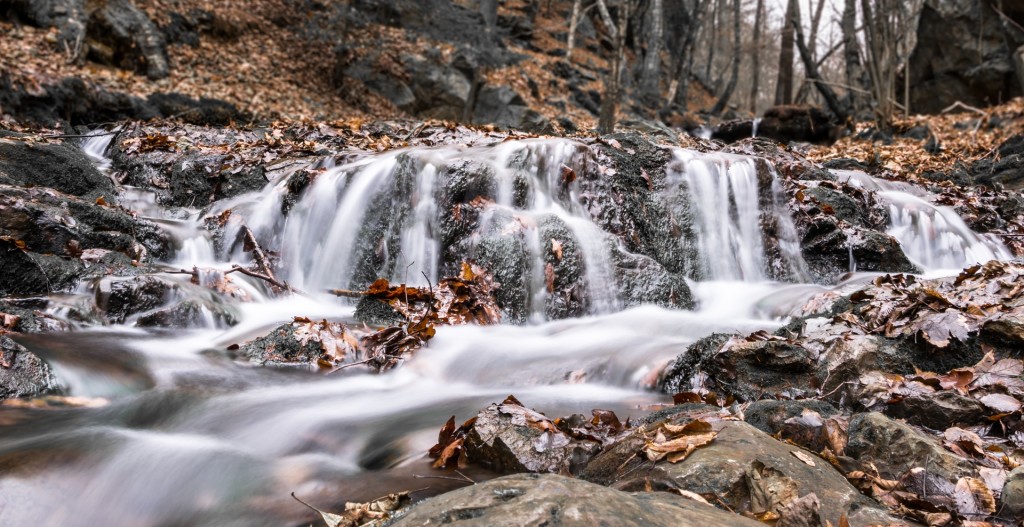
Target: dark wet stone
939, 410
23, 373
62, 167
556, 501
769, 416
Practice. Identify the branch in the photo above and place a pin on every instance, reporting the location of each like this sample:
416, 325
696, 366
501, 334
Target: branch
959, 104
269, 279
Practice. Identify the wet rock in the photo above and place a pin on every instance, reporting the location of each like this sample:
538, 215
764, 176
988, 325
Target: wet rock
831, 249
685, 370
894, 448
62, 167
301, 342
978, 70
509, 438
26, 273
731, 469
642, 280
939, 410
23, 373
51, 223
29, 316
155, 301
532, 499
789, 164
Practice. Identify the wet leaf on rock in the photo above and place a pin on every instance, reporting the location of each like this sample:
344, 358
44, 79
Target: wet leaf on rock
676, 442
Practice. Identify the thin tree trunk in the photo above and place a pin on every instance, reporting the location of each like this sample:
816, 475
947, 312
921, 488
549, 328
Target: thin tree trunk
723, 101
489, 10
756, 57
613, 83
650, 73
851, 53
712, 39
606, 18
784, 84
812, 69
573, 22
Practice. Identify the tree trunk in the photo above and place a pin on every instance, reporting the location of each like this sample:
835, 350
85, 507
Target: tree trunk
650, 73
712, 39
784, 84
613, 82
489, 10
812, 69
723, 101
573, 22
856, 101
755, 59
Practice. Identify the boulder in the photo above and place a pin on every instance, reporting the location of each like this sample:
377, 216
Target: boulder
783, 123
503, 107
509, 438
895, 448
556, 501
302, 343
62, 166
939, 410
963, 53
734, 470
23, 373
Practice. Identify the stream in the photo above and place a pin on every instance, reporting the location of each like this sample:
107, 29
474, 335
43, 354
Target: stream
166, 430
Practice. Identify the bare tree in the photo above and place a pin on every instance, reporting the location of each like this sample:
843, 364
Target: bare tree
856, 83
694, 13
650, 72
755, 58
613, 82
811, 67
574, 20
723, 100
887, 30
784, 85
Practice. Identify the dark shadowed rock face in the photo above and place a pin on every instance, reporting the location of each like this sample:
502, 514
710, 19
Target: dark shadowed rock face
62, 167
963, 54
557, 501
23, 373
785, 124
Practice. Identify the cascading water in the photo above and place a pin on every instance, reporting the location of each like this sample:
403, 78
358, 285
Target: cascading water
726, 204
384, 216
933, 237
175, 433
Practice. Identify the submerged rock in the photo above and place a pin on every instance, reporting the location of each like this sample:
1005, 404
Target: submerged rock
23, 373
533, 499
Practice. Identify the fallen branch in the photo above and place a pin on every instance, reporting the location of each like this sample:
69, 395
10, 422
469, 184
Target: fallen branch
959, 104
269, 279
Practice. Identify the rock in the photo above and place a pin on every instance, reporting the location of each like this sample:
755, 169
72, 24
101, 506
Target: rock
831, 250
26, 273
1012, 499
121, 35
731, 469
503, 107
894, 448
939, 410
790, 164
23, 373
532, 499
30, 316
62, 167
113, 32
978, 70
156, 301
509, 438
785, 124
770, 416
301, 342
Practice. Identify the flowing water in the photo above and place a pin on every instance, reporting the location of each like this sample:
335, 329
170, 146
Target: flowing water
171, 432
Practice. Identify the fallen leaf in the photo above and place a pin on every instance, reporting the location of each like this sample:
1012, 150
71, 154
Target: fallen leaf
803, 457
973, 497
1001, 402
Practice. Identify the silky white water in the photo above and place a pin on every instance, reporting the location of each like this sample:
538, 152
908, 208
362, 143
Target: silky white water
177, 433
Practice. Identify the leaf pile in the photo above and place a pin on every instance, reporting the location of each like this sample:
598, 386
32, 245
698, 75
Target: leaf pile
466, 299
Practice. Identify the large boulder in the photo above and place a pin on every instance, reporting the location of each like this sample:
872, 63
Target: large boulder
557, 501
735, 468
895, 448
61, 166
963, 53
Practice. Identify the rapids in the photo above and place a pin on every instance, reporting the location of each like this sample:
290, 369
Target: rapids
171, 432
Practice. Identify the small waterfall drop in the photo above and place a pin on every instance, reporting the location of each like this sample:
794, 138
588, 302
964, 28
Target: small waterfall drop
95, 147
727, 207
933, 237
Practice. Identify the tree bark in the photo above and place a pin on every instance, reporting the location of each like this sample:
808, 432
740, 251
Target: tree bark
650, 73
813, 74
856, 101
756, 57
573, 22
784, 84
489, 10
613, 82
723, 100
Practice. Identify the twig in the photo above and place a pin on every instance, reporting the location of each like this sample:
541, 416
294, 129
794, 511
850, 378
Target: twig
464, 478
959, 104
349, 365
70, 136
269, 279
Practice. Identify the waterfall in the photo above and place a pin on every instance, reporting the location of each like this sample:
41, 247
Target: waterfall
933, 237
727, 209
95, 147
387, 215
936, 238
